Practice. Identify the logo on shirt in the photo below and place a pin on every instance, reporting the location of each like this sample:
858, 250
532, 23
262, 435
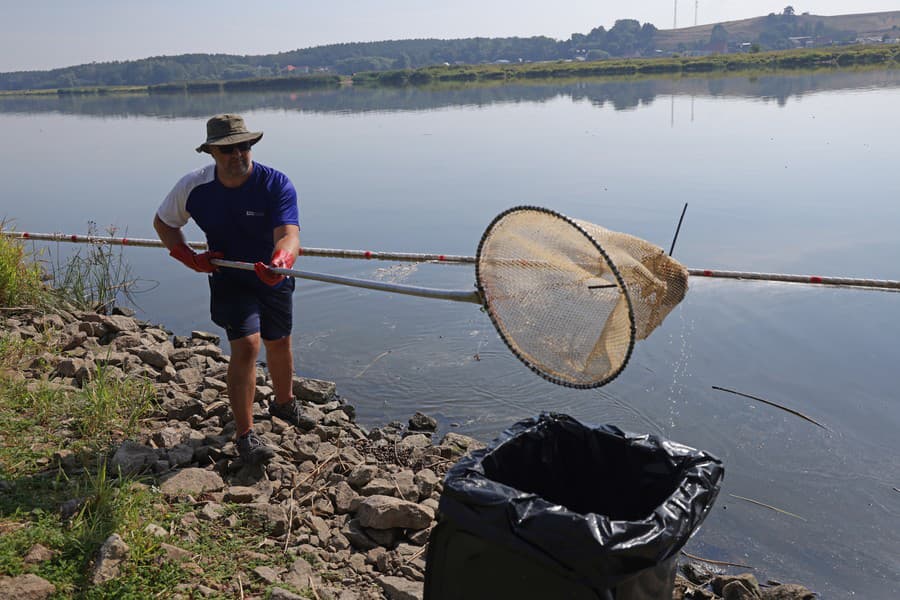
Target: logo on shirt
255, 213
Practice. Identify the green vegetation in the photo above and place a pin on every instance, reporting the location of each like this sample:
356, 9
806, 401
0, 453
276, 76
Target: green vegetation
95, 278
761, 61
20, 275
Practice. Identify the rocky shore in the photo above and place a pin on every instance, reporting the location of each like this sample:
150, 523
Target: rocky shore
351, 508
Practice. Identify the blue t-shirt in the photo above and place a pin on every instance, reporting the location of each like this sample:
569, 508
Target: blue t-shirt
238, 222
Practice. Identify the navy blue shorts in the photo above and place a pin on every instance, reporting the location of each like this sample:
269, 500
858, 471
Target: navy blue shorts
247, 309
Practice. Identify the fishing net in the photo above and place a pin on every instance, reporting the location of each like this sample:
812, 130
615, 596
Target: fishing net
569, 297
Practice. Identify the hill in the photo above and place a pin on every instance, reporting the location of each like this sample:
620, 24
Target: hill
864, 25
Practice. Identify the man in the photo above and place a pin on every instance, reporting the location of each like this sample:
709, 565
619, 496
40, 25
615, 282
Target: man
249, 213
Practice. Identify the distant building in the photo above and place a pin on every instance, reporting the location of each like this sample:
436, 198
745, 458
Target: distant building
802, 41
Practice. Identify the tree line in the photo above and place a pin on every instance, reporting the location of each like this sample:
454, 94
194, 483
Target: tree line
627, 38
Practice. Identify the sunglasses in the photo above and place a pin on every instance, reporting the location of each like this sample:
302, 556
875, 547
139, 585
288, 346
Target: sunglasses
229, 149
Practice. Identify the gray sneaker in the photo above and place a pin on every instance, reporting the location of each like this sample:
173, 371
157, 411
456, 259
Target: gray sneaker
289, 411
253, 450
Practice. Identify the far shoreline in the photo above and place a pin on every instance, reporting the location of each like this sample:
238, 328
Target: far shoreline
883, 56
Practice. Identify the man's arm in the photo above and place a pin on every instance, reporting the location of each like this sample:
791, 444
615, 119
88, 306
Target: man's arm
287, 238
287, 247
168, 235
173, 239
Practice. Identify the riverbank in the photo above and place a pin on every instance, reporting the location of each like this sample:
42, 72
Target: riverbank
147, 496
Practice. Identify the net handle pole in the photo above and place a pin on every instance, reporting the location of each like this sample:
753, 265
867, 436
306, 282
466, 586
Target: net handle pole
455, 295
875, 284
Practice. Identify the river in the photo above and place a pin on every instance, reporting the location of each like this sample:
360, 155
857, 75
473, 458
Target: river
787, 173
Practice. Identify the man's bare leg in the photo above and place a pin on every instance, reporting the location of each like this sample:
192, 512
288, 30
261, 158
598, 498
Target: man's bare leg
241, 380
280, 359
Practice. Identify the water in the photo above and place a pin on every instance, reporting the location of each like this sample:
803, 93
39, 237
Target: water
792, 174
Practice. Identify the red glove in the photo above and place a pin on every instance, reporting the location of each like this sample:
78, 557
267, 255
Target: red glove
192, 260
282, 259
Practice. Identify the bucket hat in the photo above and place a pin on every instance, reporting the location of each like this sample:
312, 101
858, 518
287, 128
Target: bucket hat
222, 130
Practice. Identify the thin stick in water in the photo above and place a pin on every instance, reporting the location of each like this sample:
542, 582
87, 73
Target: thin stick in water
677, 229
770, 403
724, 563
377, 358
769, 506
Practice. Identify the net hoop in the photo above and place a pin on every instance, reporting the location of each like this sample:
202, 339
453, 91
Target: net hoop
511, 343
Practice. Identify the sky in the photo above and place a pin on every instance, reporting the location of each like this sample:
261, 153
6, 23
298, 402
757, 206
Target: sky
47, 34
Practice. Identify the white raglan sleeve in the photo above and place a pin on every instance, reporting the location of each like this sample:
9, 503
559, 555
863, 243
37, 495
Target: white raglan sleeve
173, 210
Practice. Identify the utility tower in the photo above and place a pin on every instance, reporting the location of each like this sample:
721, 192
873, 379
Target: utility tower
696, 9
675, 19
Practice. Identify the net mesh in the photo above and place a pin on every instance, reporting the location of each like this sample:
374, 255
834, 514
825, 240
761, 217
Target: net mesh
569, 297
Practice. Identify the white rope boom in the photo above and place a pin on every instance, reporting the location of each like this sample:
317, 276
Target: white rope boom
321, 252
878, 284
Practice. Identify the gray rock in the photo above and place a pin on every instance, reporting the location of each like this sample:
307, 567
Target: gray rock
38, 553
180, 406
405, 486
457, 445
277, 593
384, 537
398, 588
25, 587
379, 486
274, 517
205, 336
426, 482
112, 553
351, 456
266, 574
421, 422
48, 322
361, 475
175, 554
126, 341
416, 440
742, 587
151, 356
124, 311
189, 376
343, 497
387, 512
316, 391
118, 323
75, 340
358, 537
301, 575
181, 455
211, 512
169, 437
240, 494
788, 591
132, 458
191, 481
156, 531
67, 367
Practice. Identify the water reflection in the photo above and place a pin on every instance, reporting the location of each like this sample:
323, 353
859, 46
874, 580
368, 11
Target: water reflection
620, 94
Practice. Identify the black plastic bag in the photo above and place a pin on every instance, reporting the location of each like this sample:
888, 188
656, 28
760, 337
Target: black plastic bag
557, 509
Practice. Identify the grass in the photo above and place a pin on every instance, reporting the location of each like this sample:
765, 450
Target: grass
20, 274
94, 279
